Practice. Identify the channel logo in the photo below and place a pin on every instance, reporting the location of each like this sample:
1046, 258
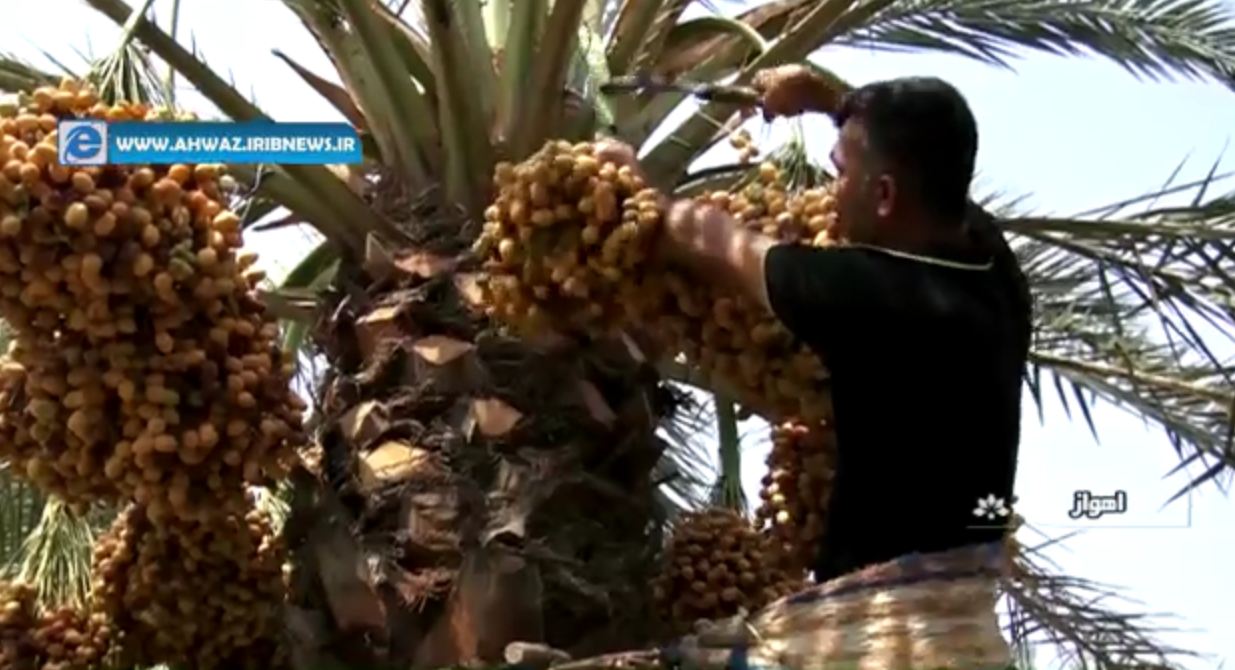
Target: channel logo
82, 142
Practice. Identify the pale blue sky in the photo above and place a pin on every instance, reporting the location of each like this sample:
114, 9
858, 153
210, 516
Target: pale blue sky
1074, 133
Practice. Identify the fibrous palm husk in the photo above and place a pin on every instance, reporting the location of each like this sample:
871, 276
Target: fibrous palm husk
475, 488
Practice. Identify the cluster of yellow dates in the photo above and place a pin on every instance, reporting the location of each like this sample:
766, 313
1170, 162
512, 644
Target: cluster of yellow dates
717, 563
569, 242
143, 370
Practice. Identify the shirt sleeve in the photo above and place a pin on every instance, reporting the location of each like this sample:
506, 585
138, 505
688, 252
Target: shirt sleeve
811, 287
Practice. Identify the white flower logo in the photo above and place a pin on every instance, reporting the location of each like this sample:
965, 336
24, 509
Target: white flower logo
991, 507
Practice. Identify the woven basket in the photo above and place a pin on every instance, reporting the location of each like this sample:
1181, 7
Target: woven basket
919, 612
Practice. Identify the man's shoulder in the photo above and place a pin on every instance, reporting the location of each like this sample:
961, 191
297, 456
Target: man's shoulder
836, 260
872, 280
926, 281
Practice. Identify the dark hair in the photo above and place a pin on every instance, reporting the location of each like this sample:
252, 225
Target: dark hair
924, 127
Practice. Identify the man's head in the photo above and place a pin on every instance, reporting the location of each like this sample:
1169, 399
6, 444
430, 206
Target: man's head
905, 158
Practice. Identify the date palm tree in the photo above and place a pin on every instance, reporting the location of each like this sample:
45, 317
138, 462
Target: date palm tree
476, 489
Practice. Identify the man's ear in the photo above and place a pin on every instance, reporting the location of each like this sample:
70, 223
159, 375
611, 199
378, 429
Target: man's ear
885, 194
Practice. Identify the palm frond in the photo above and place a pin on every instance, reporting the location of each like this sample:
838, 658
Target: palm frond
743, 41
687, 49
709, 48
463, 69
55, 556
335, 94
590, 70
16, 75
658, 32
314, 272
310, 190
634, 20
127, 73
686, 471
667, 162
1155, 39
524, 27
169, 80
1079, 618
410, 36
540, 115
1133, 310
394, 92
728, 489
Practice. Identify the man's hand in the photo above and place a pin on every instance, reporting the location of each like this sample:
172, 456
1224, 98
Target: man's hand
619, 153
681, 224
790, 90
702, 238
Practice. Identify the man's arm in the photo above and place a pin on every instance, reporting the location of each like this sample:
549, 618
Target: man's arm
802, 286
715, 247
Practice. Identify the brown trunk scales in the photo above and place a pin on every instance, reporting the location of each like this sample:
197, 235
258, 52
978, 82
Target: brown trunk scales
473, 489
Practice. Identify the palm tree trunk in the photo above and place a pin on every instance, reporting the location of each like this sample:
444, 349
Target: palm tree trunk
474, 489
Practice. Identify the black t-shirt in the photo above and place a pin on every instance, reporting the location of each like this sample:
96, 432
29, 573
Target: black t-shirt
927, 362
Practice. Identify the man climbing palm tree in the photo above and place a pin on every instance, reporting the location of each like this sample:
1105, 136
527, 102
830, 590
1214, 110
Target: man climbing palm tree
922, 317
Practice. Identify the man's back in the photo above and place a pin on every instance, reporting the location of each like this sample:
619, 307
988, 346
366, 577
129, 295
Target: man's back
926, 361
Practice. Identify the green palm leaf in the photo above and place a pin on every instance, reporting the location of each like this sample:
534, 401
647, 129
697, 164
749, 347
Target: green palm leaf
634, 22
728, 490
687, 472
127, 74
316, 194
18, 75
55, 556
1083, 620
1133, 310
1151, 38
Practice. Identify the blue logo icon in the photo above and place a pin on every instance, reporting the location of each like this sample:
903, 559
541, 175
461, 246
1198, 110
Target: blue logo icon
82, 142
